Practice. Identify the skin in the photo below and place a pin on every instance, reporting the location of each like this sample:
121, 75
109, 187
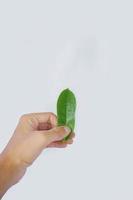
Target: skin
34, 133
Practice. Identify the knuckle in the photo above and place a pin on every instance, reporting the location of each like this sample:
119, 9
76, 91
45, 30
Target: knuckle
52, 114
29, 118
24, 117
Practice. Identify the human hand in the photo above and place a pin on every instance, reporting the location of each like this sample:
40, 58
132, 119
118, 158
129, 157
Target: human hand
34, 133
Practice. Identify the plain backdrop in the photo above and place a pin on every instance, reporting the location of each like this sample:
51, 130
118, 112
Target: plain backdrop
46, 46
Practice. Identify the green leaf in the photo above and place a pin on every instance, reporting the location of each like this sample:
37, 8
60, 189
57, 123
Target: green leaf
66, 107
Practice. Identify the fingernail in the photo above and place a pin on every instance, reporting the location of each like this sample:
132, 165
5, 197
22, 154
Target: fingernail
67, 129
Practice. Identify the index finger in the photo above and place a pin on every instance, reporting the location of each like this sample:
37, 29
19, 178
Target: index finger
34, 119
46, 117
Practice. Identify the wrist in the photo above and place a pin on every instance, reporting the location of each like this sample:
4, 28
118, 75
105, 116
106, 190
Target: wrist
10, 171
6, 173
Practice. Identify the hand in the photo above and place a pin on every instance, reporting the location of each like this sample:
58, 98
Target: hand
34, 133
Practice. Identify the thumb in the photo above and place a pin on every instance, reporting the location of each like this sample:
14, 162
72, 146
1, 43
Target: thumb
56, 134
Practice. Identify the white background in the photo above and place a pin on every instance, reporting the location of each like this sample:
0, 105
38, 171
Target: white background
46, 46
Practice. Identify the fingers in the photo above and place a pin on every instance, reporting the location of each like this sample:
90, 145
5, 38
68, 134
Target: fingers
44, 126
63, 144
72, 135
41, 121
57, 145
55, 134
60, 144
